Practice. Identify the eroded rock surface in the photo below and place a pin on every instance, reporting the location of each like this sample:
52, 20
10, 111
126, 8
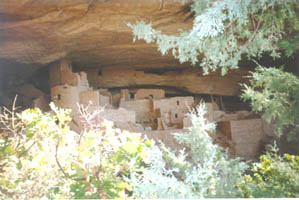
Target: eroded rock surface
85, 31
93, 34
190, 80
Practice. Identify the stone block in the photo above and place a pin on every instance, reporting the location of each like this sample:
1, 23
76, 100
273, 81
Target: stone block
218, 115
118, 115
125, 95
268, 129
242, 131
187, 122
55, 76
129, 126
90, 97
65, 96
61, 73
70, 78
142, 108
104, 100
165, 136
174, 109
211, 108
239, 115
150, 93
83, 81
247, 150
104, 92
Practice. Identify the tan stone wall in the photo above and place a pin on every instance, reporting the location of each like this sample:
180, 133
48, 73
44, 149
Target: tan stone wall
65, 96
129, 126
148, 111
90, 97
105, 101
268, 129
142, 108
118, 115
211, 108
173, 110
150, 93
165, 136
82, 82
245, 135
61, 73
55, 75
187, 122
125, 95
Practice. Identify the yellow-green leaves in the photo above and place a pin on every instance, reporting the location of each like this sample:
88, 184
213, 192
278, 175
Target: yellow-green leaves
273, 176
45, 159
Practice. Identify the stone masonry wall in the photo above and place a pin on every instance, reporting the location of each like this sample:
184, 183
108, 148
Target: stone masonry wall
148, 111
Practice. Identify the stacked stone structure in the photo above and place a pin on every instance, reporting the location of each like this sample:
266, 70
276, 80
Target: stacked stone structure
150, 112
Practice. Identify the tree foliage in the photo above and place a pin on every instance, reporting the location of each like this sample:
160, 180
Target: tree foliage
205, 172
40, 157
225, 30
274, 176
276, 94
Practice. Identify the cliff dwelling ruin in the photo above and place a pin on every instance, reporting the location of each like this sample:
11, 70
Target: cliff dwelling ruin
77, 52
155, 104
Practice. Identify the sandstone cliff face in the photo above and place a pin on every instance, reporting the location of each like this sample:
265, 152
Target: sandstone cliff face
94, 34
88, 32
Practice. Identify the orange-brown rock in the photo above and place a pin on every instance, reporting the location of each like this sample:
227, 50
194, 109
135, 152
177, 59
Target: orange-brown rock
89, 33
85, 31
189, 80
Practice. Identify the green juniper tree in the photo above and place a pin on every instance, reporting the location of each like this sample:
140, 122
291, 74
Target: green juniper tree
276, 94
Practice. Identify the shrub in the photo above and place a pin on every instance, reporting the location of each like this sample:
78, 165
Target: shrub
273, 176
40, 157
205, 172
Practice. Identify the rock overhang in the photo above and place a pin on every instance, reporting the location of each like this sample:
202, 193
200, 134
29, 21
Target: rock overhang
88, 32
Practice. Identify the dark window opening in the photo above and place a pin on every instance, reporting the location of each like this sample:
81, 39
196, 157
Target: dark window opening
132, 96
177, 103
100, 72
58, 97
176, 115
151, 96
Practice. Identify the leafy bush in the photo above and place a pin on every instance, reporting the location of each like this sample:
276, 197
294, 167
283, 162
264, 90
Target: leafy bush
205, 172
276, 94
273, 176
41, 157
